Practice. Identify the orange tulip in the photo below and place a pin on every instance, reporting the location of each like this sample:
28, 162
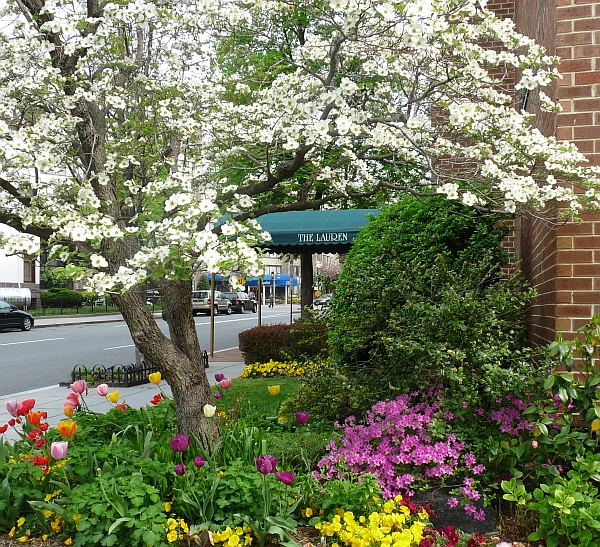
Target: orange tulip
68, 411
67, 428
34, 417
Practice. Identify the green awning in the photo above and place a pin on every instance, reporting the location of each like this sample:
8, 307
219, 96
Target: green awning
330, 231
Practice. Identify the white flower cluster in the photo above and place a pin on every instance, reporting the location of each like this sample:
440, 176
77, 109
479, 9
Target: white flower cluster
175, 137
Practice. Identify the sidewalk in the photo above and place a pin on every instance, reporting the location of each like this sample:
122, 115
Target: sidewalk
50, 399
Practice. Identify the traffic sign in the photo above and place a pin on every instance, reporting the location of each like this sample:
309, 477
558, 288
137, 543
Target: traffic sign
318, 293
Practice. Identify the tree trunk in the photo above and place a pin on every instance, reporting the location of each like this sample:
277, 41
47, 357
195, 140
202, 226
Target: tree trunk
306, 270
178, 359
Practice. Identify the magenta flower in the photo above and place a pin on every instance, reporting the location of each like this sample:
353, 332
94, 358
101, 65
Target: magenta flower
59, 449
199, 461
286, 477
302, 417
218, 395
102, 390
225, 383
219, 377
266, 464
79, 387
179, 469
179, 443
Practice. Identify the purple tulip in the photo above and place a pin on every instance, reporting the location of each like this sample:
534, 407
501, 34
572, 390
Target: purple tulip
179, 469
59, 449
286, 477
179, 443
199, 461
11, 406
302, 417
218, 395
219, 377
266, 464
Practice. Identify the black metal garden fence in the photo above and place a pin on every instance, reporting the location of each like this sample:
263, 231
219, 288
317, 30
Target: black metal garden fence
119, 375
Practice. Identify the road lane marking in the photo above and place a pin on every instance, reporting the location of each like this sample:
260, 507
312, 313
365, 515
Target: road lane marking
119, 347
30, 341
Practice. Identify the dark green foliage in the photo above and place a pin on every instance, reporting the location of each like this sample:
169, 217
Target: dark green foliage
422, 301
300, 341
57, 298
203, 283
328, 392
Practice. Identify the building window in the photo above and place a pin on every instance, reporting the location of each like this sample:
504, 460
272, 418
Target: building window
29, 269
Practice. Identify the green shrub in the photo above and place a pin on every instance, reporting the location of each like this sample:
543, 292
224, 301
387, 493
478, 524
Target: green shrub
328, 392
61, 298
297, 342
422, 301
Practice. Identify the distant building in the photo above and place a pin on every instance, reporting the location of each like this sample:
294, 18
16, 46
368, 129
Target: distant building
18, 275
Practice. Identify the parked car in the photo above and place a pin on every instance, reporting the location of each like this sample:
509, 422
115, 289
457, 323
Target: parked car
322, 301
201, 302
240, 301
12, 317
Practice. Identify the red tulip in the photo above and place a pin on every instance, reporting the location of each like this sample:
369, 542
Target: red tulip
41, 460
3, 428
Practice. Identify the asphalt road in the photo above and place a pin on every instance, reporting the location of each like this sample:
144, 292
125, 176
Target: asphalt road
45, 356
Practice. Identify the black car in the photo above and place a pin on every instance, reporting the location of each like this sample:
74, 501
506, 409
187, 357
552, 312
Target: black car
12, 317
240, 301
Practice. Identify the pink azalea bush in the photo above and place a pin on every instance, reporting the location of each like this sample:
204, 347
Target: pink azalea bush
403, 444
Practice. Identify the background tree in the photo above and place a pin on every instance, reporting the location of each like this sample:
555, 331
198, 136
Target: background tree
127, 129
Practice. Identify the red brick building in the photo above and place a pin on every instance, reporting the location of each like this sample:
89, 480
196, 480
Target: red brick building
563, 262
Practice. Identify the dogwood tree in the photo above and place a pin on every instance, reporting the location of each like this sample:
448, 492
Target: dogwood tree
128, 129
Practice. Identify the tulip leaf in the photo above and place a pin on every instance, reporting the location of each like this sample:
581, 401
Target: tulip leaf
117, 523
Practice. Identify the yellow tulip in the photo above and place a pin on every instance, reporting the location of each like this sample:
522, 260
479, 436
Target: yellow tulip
113, 397
155, 378
274, 390
67, 428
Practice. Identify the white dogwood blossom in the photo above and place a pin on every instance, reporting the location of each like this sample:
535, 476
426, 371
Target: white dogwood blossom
154, 124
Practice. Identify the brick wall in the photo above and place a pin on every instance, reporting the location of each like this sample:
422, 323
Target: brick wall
563, 261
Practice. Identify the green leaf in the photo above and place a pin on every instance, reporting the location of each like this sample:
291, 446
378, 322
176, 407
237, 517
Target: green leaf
115, 525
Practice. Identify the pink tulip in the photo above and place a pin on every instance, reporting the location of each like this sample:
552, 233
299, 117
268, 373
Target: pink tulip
225, 383
11, 406
59, 449
79, 386
102, 390
72, 400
